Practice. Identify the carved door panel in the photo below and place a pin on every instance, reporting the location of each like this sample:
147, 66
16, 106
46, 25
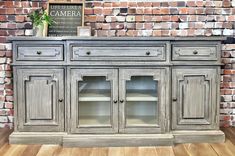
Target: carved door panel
142, 99
94, 105
40, 99
194, 98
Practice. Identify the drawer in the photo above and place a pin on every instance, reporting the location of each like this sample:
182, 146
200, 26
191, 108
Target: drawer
194, 52
118, 53
40, 52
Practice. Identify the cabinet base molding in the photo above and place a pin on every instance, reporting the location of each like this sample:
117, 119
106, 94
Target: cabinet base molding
213, 136
36, 138
118, 140
110, 140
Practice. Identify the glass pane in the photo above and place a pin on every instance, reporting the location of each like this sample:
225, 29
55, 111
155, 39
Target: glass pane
94, 101
141, 101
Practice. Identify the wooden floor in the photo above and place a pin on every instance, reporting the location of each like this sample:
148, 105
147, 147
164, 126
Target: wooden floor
199, 149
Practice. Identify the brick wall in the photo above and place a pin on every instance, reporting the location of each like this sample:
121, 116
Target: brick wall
157, 18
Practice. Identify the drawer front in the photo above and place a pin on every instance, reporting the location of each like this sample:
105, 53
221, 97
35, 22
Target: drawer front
202, 52
118, 53
40, 53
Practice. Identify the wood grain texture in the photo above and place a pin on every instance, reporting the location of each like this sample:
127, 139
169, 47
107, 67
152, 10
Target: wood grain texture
202, 149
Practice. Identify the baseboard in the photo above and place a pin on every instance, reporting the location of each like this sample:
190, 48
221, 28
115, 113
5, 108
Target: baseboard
213, 136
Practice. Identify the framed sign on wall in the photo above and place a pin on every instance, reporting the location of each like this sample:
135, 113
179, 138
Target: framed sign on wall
67, 16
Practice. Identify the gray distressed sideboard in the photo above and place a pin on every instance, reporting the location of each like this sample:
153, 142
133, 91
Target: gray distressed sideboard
116, 91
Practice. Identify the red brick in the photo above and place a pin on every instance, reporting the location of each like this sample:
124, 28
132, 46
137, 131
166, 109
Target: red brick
121, 33
166, 18
3, 18
156, 4
139, 11
226, 3
139, 18
148, 26
156, 11
107, 4
132, 33
191, 3
117, 25
183, 10
88, 11
172, 4
107, 11
123, 4
115, 4
132, 4
9, 4
139, 25
3, 33
10, 11
199, 3
20, 18
157, 18
148, 4
165, 11
97, 4
148, 11
147, 18
98, 11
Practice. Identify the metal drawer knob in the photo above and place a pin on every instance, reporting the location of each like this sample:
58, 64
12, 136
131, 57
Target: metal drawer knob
195, 52
121, 101
88, 53
174, 99
148, 53
39, 52
115, 101
60, 100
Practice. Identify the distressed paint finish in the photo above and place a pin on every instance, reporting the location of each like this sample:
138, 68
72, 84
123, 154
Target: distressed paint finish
188, 91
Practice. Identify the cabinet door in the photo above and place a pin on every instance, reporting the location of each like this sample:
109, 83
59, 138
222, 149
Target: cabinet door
40, 99
94, 102
194, 98
142, 99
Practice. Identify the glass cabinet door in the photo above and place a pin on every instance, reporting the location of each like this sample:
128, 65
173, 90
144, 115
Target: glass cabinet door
141, 100
94, 100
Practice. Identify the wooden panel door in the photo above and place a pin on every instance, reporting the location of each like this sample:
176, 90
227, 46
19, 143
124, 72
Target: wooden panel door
40, 99
142, 100
94, 105
194, 102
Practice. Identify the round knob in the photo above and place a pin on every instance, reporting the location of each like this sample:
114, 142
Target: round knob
60, 100
121, 101
174, 99
88, 53
195, 52
115, 101
147, 53
39, 52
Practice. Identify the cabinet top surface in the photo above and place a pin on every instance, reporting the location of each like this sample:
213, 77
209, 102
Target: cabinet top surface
25, 38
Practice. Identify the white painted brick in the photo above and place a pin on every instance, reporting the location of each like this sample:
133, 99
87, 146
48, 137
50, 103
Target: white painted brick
216, 32
147, 32
228, 32
3, 119
233, 3
183, 25
28, 32
116, 11
3, 60
1, 104
120, 18
2, 74
11, 118
130, 18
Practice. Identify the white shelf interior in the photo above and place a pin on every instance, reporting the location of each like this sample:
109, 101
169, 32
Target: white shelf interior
94, 120
95, 95
141, 120
141, 95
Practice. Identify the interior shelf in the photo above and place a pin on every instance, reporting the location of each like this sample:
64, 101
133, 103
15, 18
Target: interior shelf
136, 120
94, 120
95, 95
141, 95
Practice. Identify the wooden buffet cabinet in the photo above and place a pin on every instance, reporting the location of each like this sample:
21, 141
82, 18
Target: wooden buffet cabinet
116, 91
